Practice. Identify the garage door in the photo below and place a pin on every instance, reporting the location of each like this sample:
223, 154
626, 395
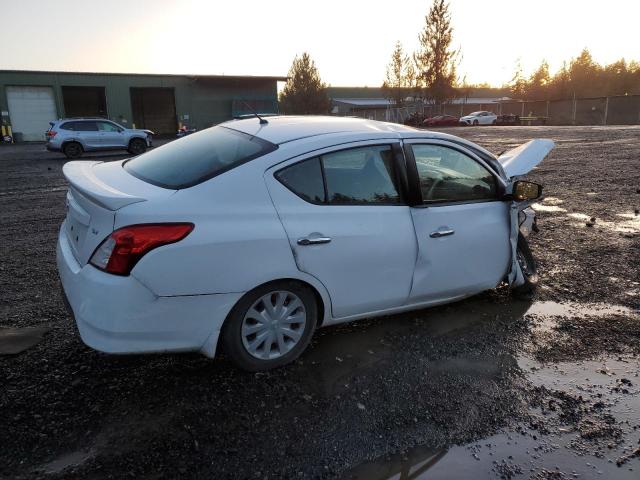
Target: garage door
154, 108
31, 109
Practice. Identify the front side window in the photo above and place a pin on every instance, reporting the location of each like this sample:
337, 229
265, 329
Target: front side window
107, 127
448, 175
198, 157
356, 176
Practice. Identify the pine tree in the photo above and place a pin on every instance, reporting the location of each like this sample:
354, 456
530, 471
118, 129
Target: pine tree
436, 61
304, 93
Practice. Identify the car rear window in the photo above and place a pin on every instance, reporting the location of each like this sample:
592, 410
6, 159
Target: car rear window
198, 157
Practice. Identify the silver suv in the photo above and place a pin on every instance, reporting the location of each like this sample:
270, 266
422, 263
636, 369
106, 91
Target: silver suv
74, 136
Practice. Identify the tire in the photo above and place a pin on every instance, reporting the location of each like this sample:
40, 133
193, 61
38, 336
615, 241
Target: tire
137, 146
528, 267
72, 150
475, 123
250, 319
493, 123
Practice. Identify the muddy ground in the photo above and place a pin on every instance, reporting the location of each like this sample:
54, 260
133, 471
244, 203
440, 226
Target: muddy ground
492, 387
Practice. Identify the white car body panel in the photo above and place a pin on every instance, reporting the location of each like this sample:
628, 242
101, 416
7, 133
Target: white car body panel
380, 260
522, 159
479, 245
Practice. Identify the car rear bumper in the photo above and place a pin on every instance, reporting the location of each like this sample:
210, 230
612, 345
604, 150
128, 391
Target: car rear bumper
117, 314
51, 147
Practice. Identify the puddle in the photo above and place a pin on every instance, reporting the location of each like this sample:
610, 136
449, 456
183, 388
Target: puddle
560, 451
360, 346
627, 223
581, 310
63, 462
585, 424
17, 340
539, 207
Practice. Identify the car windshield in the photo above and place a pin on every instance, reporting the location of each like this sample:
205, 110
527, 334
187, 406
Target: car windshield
198, 157
475, 114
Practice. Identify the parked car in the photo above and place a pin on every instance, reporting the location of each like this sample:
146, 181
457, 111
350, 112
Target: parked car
479, 118
441, 121
508, 119
251, 235
74, 136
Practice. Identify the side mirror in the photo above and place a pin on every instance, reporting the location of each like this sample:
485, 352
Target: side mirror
526, 190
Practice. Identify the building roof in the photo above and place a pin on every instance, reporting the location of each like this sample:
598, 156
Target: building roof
189, 75
364, 102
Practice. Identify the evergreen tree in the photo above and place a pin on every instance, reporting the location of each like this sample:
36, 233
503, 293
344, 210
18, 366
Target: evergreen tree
304, 93
436, 61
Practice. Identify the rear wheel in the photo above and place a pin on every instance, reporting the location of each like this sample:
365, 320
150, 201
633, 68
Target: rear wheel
137, 146
72, 150
528, 267
270, 326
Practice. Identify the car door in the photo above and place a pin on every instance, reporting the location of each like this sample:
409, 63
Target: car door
87, 132
461, 224
111, 136
348, 225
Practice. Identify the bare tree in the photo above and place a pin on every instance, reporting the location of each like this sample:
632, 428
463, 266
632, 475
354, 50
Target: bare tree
436, 60
399, 78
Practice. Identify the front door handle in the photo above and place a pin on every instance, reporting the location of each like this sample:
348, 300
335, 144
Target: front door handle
441, 233
313, 240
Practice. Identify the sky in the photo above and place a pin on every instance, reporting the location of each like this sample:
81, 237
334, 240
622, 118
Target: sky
350, 40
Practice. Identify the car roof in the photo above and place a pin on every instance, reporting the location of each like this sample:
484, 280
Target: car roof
283, 129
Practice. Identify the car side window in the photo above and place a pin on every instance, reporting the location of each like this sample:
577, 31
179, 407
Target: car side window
85, 127
448, 175
305, 180
107, 127
362, 175
356, 176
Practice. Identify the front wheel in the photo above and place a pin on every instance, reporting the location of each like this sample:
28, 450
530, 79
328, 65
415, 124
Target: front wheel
528, 267
270, 326
475, 123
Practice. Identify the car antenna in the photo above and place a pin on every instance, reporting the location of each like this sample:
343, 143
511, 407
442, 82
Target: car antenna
262, 120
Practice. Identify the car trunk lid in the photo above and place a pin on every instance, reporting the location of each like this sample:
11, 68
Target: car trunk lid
523, 158
97, 190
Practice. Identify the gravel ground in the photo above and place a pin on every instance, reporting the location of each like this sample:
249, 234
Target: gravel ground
491, 387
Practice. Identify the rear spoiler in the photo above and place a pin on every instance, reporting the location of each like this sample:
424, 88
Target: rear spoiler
82, 178
522, 159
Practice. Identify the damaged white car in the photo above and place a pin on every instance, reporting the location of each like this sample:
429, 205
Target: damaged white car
251, 234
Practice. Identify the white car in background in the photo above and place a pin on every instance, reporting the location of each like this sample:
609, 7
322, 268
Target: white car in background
253, 233
479, 118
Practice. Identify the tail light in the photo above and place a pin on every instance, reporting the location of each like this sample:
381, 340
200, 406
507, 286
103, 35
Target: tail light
121, 250
51, 133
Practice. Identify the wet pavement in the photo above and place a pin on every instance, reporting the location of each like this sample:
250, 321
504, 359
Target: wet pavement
490, 387
585, 423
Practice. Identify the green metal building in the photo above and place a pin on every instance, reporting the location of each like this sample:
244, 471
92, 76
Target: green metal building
29, 100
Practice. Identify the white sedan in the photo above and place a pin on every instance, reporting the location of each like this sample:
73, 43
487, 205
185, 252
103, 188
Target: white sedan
479, 118
251, 234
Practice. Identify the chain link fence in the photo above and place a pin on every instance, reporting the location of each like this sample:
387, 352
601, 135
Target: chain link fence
621, 110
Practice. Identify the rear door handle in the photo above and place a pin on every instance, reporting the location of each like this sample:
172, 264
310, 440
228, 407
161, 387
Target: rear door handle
313, 240
441, 233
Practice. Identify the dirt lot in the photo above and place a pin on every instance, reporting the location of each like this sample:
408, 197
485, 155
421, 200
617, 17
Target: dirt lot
491, 387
